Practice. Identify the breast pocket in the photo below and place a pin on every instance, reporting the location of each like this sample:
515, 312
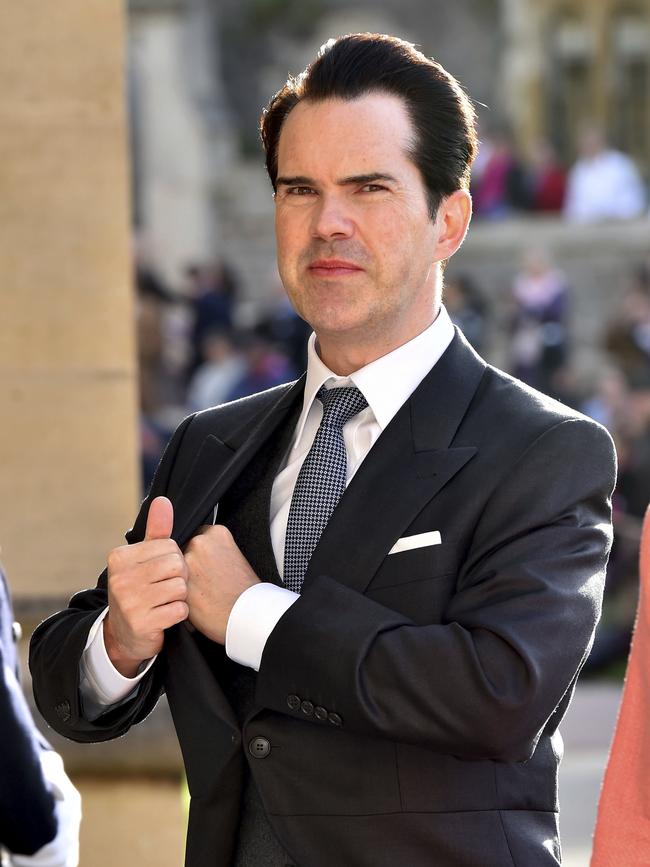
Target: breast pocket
417, 583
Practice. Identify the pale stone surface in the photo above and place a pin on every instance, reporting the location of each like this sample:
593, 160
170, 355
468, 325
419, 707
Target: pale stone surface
587, 731
131, 822
69, 485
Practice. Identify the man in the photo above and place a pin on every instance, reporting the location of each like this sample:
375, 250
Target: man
408, 562
40, 810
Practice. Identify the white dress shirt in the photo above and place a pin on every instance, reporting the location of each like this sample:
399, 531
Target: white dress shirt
386, 384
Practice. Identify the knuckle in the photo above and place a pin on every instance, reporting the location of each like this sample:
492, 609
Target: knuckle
180, 610
223, 532
114, 559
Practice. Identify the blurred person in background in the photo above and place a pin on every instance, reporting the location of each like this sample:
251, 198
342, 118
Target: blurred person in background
545, 178
212, 295
603, 184
621, 401
265, 366
500, 188
538, 326
280, 325
216, 378
467, 308
160, 384
40, 809
627, 335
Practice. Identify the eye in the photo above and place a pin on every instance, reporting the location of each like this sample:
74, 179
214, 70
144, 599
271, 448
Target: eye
371, 188
299, 191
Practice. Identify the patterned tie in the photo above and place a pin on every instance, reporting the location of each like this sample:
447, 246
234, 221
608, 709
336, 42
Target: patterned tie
321, 481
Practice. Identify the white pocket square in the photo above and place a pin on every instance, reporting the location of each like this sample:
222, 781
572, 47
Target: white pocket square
421, 540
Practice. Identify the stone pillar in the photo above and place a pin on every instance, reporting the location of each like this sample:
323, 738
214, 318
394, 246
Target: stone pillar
521, 74
69, 484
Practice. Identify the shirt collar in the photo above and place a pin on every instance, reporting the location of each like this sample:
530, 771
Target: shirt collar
387, 382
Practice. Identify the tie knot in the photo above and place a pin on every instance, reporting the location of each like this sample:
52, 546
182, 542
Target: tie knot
340, 404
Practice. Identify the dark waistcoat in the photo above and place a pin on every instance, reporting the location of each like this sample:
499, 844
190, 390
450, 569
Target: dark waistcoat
245, 511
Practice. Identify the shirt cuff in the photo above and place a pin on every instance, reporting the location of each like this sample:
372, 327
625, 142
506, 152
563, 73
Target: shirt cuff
253, 618
101, 685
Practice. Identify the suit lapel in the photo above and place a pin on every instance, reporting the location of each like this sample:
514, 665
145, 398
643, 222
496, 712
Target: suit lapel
408, 465
218, 464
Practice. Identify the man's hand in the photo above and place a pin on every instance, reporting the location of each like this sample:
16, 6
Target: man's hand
218, 575
147, 589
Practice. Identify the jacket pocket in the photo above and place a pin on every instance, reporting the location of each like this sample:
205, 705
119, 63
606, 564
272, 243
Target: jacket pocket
416, 564
437, 782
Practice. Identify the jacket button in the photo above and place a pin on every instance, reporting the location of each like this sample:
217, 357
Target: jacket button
321, 713
307, 708
335, 719
293, 701
63, 710
259, 748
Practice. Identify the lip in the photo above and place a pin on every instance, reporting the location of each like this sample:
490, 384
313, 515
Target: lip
333, 267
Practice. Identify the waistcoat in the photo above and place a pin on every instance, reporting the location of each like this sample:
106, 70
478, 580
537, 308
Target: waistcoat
245, 509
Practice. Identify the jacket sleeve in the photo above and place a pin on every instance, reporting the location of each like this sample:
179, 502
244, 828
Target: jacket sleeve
483, 683
58, 643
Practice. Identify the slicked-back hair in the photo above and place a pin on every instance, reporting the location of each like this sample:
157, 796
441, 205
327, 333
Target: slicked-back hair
443, 117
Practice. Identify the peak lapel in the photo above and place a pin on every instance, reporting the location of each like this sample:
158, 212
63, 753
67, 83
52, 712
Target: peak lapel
408, 465
217, 464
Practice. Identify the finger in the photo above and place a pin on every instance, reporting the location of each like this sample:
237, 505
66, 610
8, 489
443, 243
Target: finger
137, 573
171, 590
167, 615
169, 565
160, 519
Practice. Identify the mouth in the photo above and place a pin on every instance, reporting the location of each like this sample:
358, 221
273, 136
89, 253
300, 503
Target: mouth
333, 268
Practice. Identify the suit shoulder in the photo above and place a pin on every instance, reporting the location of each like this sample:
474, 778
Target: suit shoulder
521, 402
525, 415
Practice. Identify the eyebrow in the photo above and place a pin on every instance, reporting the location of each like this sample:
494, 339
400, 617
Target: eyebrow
303, 180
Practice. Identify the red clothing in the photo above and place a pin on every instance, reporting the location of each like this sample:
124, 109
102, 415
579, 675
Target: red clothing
622, 835
549, 190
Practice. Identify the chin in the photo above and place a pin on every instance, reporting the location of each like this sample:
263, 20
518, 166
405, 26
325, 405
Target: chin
337, 325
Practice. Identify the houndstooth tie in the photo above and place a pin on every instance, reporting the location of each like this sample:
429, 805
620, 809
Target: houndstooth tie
321, 481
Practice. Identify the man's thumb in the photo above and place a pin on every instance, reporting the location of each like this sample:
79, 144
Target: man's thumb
160, 519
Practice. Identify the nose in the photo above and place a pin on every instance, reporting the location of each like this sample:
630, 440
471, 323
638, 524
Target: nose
331, 219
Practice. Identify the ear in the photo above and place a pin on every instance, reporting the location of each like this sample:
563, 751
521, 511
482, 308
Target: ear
452, 220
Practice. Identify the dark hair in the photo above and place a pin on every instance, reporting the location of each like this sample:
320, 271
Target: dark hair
442, 114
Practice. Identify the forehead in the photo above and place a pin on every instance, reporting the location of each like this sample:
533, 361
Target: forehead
371, 132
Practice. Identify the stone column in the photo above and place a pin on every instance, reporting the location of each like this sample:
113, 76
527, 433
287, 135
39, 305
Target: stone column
521, 95
69, 484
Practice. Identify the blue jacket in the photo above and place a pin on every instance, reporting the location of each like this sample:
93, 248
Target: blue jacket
27, 817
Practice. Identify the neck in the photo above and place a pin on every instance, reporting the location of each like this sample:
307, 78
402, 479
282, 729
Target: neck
345, 353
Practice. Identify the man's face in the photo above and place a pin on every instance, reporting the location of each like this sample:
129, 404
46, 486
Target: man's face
356, 244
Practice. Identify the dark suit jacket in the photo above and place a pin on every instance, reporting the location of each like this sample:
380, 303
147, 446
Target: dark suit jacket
443, 671
27, 817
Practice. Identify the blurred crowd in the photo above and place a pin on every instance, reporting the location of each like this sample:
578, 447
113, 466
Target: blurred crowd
201, 346
603, 183
534, 320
